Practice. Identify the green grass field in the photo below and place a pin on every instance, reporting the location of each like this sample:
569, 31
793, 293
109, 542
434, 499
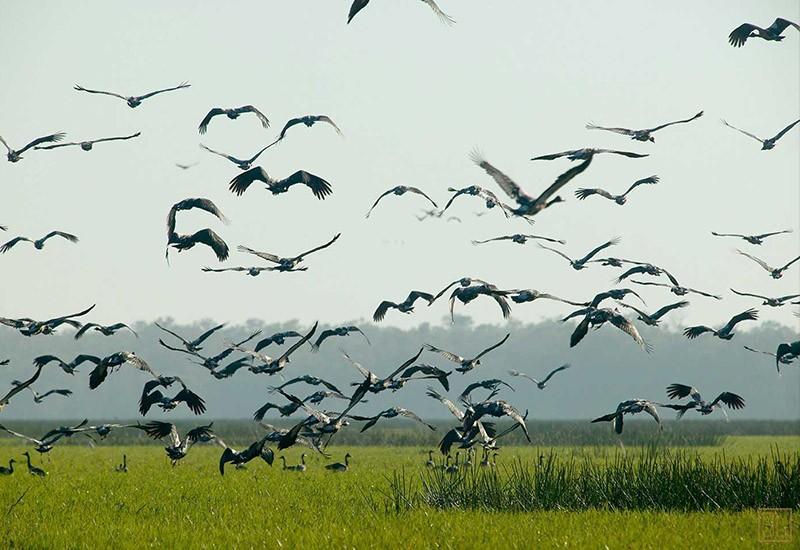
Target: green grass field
83, 502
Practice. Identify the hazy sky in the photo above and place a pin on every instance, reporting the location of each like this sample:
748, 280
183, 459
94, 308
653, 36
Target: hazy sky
413, 98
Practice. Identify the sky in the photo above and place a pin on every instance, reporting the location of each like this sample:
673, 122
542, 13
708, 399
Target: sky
413, 97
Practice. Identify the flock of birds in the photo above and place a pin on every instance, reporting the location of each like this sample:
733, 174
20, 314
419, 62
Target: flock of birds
474, 426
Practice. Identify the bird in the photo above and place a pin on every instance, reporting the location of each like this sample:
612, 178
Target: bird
675, 287
390, 413
107, 364
243, 164
522, 296
105, 330
89, 143
466, 364
619, 199
588, 307
185, 166
337, 331
526, 204
541, 384
232, 114
191, 345
309, 121
288, 264
295, 467
679, 391
33, 470
520, 238
46, 443
208, 237
8, 471
151, 396
726, 332
598, 317
463, 282
272, 366
774, 272
16, 388
318, 186
32, 327
583, 154
639, 268
766, 144
4, 362
308, 379
642, 135
278, 338
133, 101
773, 33
338, 466
492, 384
491, 200
39, 243
374, 384
465, 295
752, 239
359, 5
772, 302
784, 359
428, 463
122, 468
176, 448
284, 410
786, 353
253, 271
406, 306
400, 190
653, 319
255, 450
631, 406
580, 263
230, 369
39, 398
15, 155
428, 372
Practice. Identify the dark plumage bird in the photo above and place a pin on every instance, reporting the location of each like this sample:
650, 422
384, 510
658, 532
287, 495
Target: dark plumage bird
252, 271
772, 302
774, 272
318, 186
46, 443
16, 388
39, 243
32, 327
232, 114
134, 101
89, 144
581, 262
205, 236
288, 264
255, 450
177, 448
191, 345
359, 5
243, 164
406, 306
726, 332
679, 391
399, 191
465, 295
586, 153
492, 384
752, 239
308, 379
642, 135
632, 406
619, 199
105, 330
477, 191
639, 268
520, 238
278, 338
309, 121
786, 353
151, 396
15, 155
337, 331
39, 398
675, 287
392, 412
522, 296
466, 364
598, 317
526, 204
272, 366
769, 143
230, 369
773, 33
107, 364
653, 319
429, 372
541, 384
463, 282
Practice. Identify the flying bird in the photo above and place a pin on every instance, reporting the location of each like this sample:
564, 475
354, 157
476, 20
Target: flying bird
598, 317
15, 155
399, 191
105, 330
318, 186
766, 144
309, 121
190, 345
675, 287
466, 364
232, 114
490, 199
752, 239
392, 412
581, 262
252, 271
208, 237
288, 264
772, 302
520, 238
632, 406
492, 384
359, 5
39, 243
465, 295
679, 391
775, 272
257, 449
151, 396
89, 144
541, 384
278, 338
32, 327
337, 331
583, 154
133, 101
272, 366
243, 164
177, 448
787, 352
39, 398
773, 33
653, 319
308, 379
642, 135
726, 332
16, 388
406, 306
522, 296
619, 199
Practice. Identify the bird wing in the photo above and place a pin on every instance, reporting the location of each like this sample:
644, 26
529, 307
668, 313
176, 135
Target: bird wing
583, 193
506, 183
758, 139
116, 138
554, 371
780, 134
210, 238
652, 180
315, 249
515, 415
81, 331
628, 154
749, 315
458, 413
5, 144
415, 295
20, 387
327, 119
623, 131
693, 332
389, 192
603, 246
765, 235
448, 287
450, 356
748, 294
554, 156
203, 337
203, 128
10, 244
192, 400
380, 312
240, 183
698, 115
250, 109
413, 416
356, 7
202, 204
580, 331
419, 191
71, 238
790, 263
17, 434
732, 400
443, 17
263, 255
82, 89
626, 326
178, 87
224, 155
740, 34
319, 186
564, 179
495, 346
294, 347
666, 309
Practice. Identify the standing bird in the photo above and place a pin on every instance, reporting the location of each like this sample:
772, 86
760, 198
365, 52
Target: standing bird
288, 264
632, 406
105, 330
338, 466
359, 5
528, 205
309, 121
619, 199
88, 144
655, 318
243, 164
205, 236
406, 306
466, 364
580, 263
752, 239
122, 468
15, 155
583, 154
38, 244
337, 331
8, 471
134, 101
772, 302
232, 114
678, 391
520, 238
190, 345
774, 272
33, 470
318, 186
543, 383
399, 191
642, 135
766, 144
773, 33
726, 332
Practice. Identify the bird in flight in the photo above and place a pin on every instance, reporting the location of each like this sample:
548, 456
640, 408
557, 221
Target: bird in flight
309, 121
245, 164
766, 144
288, 264
619, 199
318, 186
520, 238
232, 114
105, 330
773, 33
208, 237
337, 331
631, 406
399, 191
587, 152
133, 101
772, 302
406, 306
359, 5
675, 287
39, 243
596, 318
726, 332
752, 239
88, 144
580, 263
774, 272
541, 384
679, 391
466, 364
653, 319
642, 135
490, 199
15, 155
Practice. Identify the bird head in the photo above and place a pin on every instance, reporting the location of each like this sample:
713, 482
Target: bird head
651, 139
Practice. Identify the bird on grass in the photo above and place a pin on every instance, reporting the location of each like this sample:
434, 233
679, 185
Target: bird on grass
7, 471
338, 466
176, 447
466, 364
134, 101
769, 143
301, 467
726, 332
15, 155
679, 391
39, 243
587, 152
359, 5
33, 470
752, 239
337, 331
400, 190
647, 133
105, 330
653, 319
541, 384
406, 306
318, 186
88, 145
580, 263
122, 468
631, 406
208, 237
619, 199
772, 302
232, 114
774, 272
773, 33
288, 264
